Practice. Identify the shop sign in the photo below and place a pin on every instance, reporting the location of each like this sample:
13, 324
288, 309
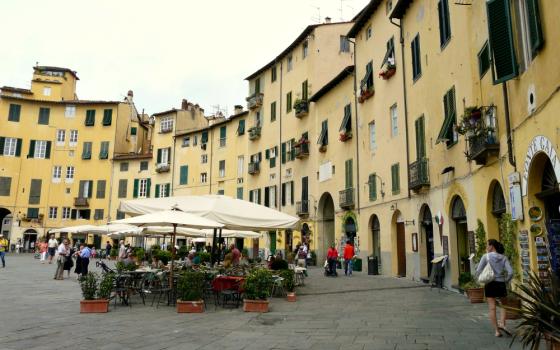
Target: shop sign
539, 144
515, 197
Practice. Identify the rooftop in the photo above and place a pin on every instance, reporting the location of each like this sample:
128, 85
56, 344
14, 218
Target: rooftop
56, 69
331, 84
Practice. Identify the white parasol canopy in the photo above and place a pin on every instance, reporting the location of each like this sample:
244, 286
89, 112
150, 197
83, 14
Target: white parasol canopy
74, 229
172, 218
235, 214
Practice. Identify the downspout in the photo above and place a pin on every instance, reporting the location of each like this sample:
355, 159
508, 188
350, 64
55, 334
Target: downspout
173, 156
357, 133
508, 127
210, 141
405, 107
281, 197
113, 167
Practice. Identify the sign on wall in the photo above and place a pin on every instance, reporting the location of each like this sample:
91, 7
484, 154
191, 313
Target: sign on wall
515, 200
539, 144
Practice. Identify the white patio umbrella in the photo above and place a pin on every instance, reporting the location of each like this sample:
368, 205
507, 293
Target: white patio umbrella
174, 218
73, 229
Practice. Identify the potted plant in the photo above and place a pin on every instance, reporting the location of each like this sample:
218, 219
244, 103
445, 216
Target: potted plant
388, 70
113, 253
289, 284
301, 107
508, 231
190, 289
96, 292
257, 290
345, 136
474, 291
539, 313
471, 123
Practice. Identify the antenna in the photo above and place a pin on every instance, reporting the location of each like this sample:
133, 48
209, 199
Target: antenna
318, 17
219, 111
341, 10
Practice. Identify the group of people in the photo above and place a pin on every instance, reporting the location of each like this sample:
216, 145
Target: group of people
348, 254
64, 257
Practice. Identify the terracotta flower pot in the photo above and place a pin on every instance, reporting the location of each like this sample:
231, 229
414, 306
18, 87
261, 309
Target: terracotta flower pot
514, 303
255, 305
291, 296
94, 306
551, 343
476, 295
190, 307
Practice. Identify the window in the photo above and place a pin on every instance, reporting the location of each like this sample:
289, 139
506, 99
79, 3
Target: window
304, 90
5, 185
90, 117
44, 114
120, 215
444, 25
273, 74
289, 102
416, 59
162, 190
35, 191
107, 117
195, 140
346, 125
483, 60
73, 137
142, 188
53, 212
57, 173
270, 154
324, 136
372, 187
163, 155
123, 186
222, 168
204, 137
369, 32
65, 212
46, 91
305, 49
70, 111
395, 179
290, 63
273, 111
14, 113
10, 146
70, 173
528, 30
204, 158
98, 214
241, 127
143, 165
60, 137
203, 177
166, 124
101, 184
447, 132
287, 193
184, 175
239, 193
420, 138
366, 84
104, 151
86, 151
133, 131
349, 173
32, 213
344, 44
255, 196
270, 196
223, 136
39, 149
372, 137
85, 189
389, 59
240, 165
124, 166
394, 121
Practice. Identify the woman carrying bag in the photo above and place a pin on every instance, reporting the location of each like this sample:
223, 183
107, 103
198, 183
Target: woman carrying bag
494, 271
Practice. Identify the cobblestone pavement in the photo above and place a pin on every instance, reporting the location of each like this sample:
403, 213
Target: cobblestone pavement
358, 312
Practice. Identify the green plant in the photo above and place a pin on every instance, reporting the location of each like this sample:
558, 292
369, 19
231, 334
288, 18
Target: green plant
204, 257
300, 105
183, 251
155, 247
244, 252
164, 256
114, 252
258, 284
464, 278
480, 235
191, 286
508, 229
539, 313
289, 282
88, 284
140, 253
106, 286
279, 264
121, 266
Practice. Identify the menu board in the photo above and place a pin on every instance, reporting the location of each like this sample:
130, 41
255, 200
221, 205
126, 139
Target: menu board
543, 261
445, 244
525, 256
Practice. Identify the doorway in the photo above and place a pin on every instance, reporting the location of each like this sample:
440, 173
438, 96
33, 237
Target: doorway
350, 229
288, 246
325, 226
428, 233
29, 241
375, 243
459, 216
401, 250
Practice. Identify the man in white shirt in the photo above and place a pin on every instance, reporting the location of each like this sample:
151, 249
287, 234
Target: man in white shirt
122, 250
53, 244
63, 252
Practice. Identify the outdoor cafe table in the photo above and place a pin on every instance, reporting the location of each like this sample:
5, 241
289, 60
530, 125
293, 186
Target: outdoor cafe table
227, 282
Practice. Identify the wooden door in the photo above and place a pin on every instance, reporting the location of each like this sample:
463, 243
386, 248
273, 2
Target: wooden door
401, 250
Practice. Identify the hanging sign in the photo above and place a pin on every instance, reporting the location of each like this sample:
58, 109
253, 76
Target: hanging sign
539, 144
515, 196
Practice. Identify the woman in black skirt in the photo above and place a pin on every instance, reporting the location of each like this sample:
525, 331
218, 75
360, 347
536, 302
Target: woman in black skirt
497, 288
69, 263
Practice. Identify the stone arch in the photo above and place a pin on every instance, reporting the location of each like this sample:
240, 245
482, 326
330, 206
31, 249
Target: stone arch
426, 240
325, 225
398, 243
458, 238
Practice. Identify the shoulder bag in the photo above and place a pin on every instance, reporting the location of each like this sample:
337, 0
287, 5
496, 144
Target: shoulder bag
487, 274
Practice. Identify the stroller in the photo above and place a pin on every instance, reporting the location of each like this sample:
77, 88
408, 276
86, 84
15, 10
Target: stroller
328, 269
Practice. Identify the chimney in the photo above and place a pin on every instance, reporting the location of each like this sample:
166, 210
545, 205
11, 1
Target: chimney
184, 104
327, 20
129, 96
237, 109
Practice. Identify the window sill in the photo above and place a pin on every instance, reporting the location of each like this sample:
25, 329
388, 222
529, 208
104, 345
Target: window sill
69, 181
73, 144
452, 144
60, 144
56, 181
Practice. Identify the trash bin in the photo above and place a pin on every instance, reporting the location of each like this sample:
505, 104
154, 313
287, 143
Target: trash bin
373, 265
357, 265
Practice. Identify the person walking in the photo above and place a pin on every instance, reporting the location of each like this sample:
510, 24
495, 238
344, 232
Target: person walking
108, 248
63, 251
52, 246
3, 249
496, 289
348, 256
69, 262
122, 251
18, 246
85, 253
43, 248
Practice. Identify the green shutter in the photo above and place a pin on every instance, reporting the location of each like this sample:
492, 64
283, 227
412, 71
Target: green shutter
90, 117
18, 148
184, 175
535, 29
348, 173
104, 151
304, 91
223, 132
107, 117
420, 138
251, 196
444, 22
14, 113
291, 192
133, 131
292, 149
395, 181
90, 192
372, 187
44, 114
48, 150
157, 191
148, 186
204, 137
31, 153
167, 190
135, 192
501, 40
159, 156
289, 102
283, 152
241, 127
2, 143
446, 131
267, 154
273, 111
239, 192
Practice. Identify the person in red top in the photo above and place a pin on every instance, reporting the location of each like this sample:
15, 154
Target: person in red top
235, 255
332, 256
348, 256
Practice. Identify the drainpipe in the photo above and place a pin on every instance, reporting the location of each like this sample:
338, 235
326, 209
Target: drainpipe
357, 133
173, 155
280, 139
210, 141
405, 107
508, 127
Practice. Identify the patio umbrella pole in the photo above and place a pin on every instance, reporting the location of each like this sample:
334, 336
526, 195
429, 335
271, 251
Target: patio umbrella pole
214, 246
172, 255
221, 246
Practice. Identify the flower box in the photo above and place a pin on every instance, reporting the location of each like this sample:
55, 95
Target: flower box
190, 306
255, 305
94, 306
365, 94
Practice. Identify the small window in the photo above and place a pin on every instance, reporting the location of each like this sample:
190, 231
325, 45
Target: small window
70, 171
222, 168
133, 131
124, 166
46, 91
186, 141
73, 137
394, 121
344, 44
395, 179
53, 212
241, 127
204, 159
104, 150
483, 59
305, 49
107, 117
65, 212
289, 102
44, 114
273, 111
290, 63
90, 117
203, 178
60, 137
14, 113
444, 25
416, 59
70, 111
273, 74
369, 32
143, 165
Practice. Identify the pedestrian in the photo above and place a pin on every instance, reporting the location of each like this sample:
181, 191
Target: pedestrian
108, 248
85, 253
43, 248
302, 256
69, 262
235, 255
78, 270
496, 289
18, 246
93, 252
3, 249
332, 256
348, 256
52, 245
63, 250
122, 251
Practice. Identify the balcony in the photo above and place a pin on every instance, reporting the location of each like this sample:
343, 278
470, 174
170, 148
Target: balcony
419, 175
301, 108
302, 150
81, 202
302, 208
346, 198
254, 168
255, 100
162, 168
254, 133
482, 147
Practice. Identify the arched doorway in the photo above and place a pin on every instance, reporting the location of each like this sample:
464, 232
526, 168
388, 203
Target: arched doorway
399, 243
5, 222
427, 239
350, 229
459, 216
375, 238
29, 240
325, 214
496, 205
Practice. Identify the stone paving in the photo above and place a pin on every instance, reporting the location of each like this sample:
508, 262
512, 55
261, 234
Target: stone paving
358, 312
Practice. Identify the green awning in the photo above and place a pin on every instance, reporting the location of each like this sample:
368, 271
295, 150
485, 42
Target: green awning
445, 131
345, 126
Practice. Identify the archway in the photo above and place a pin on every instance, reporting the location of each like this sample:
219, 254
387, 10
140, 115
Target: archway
399, 243
5, 222
427, 240
496, 207
459, 216
29, 240
375, 230
350, 229
325, 213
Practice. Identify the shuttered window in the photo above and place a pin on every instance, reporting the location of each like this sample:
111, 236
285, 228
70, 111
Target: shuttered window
32, 213
107, 117
5, 186
444, 25
184, 175
98, 214
90, 117
535, 29
85, 189
239, 192
241, 127
447, 132
86, 152
123, 184
346, 125
416, 59
273, 111
10, 146
501, 40
14, 113
395, 179
304, 90
289, 102
35, 191
483, 59
104, 151
101, 184
372, 187
44, 114
420, 138
349, 173
324, 135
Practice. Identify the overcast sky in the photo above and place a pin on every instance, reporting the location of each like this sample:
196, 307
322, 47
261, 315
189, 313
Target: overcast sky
163, 50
